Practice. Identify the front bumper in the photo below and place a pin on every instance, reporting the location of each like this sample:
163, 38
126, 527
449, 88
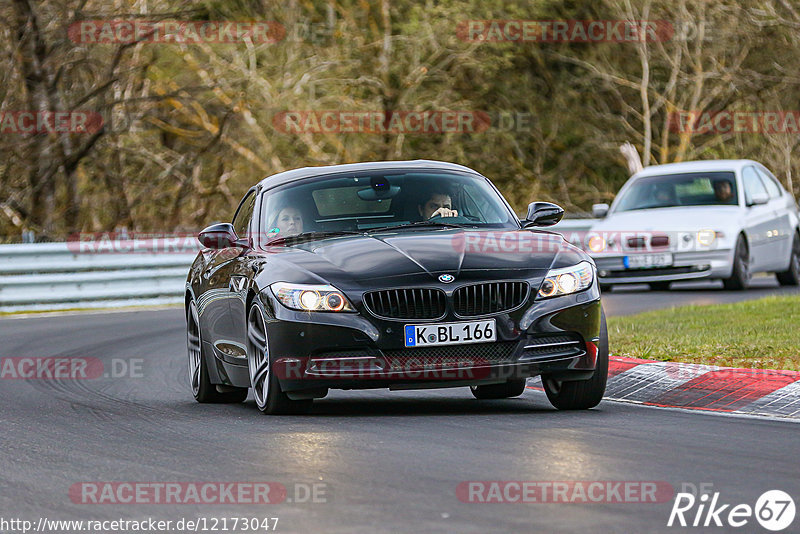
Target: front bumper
713, 264
316, 351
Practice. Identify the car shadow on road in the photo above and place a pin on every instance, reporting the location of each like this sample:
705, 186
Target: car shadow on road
428, 406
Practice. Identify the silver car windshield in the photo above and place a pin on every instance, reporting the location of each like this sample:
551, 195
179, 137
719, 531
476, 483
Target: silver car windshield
673, 190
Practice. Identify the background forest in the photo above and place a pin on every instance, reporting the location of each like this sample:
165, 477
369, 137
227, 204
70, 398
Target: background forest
188, 127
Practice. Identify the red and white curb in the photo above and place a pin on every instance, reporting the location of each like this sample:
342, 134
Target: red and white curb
704, 387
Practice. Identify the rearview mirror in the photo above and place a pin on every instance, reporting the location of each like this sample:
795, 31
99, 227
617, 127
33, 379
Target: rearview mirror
220, 235
599, 210
542, 214
758, 199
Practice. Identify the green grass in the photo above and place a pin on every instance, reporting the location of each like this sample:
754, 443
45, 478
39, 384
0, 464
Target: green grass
759, 334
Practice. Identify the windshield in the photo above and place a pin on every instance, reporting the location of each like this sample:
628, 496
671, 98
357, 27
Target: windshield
371, 201
689, 189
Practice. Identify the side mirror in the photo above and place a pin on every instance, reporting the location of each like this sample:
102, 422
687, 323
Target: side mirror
220, 235
542, 214
599, 210
759, 199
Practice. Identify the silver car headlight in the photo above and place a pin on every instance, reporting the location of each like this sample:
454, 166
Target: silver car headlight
567, 280
708, 237
307, 297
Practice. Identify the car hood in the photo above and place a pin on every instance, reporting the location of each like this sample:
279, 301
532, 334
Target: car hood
407, 257
679, 219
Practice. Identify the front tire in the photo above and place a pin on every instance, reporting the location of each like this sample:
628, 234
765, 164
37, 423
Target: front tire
791, 277
508, 389
582, 394
202, 388
266, 387
740, 277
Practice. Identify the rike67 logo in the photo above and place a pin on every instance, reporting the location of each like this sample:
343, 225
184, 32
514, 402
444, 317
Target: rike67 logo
774, 510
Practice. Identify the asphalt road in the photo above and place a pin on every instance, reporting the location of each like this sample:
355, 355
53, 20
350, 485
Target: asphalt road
635, 298
388, 462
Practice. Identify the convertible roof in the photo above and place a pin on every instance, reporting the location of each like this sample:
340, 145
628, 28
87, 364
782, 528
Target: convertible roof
307, 172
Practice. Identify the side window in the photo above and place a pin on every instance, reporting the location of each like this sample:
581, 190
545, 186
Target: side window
243, 215
773, 188
752, 184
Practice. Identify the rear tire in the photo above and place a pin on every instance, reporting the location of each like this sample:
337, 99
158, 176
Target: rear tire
511, 388
202, 388
791, 277
740, 277
582, 394
266, 387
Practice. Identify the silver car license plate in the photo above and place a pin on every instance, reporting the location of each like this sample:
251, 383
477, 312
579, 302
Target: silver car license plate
648, 261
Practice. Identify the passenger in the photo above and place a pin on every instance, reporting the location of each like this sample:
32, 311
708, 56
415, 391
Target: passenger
665, 195
288, 222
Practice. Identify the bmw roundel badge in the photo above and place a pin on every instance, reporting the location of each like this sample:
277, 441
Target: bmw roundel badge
446, 278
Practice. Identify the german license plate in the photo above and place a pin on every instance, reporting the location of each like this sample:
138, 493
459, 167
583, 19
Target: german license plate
648, 261
431, 335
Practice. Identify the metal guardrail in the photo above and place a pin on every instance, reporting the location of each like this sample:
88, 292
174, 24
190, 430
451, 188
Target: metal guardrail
574, 230
53, 276
57, 276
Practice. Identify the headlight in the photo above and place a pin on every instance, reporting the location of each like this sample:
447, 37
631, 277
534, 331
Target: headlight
707, 237
597, 243
567, 280
304, 297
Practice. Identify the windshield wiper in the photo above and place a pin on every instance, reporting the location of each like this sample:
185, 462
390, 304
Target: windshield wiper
309, 236
420, 224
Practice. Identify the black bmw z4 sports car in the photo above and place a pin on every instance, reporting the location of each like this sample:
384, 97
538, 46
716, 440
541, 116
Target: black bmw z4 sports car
399, 275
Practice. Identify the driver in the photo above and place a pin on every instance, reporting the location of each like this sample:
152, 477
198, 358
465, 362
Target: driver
723, 191
439, 204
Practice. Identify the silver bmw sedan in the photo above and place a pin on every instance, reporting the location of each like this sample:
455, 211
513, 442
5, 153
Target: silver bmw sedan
725, 219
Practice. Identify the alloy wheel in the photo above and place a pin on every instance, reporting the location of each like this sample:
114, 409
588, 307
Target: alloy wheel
193, 344
258, 356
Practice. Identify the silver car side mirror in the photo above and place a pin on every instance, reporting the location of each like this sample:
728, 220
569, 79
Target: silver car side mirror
599, 210
759, 199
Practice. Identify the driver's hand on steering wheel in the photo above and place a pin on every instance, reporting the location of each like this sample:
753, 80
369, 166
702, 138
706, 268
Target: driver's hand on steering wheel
444, 212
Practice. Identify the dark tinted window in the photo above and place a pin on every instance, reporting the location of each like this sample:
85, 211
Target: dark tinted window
375, 199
